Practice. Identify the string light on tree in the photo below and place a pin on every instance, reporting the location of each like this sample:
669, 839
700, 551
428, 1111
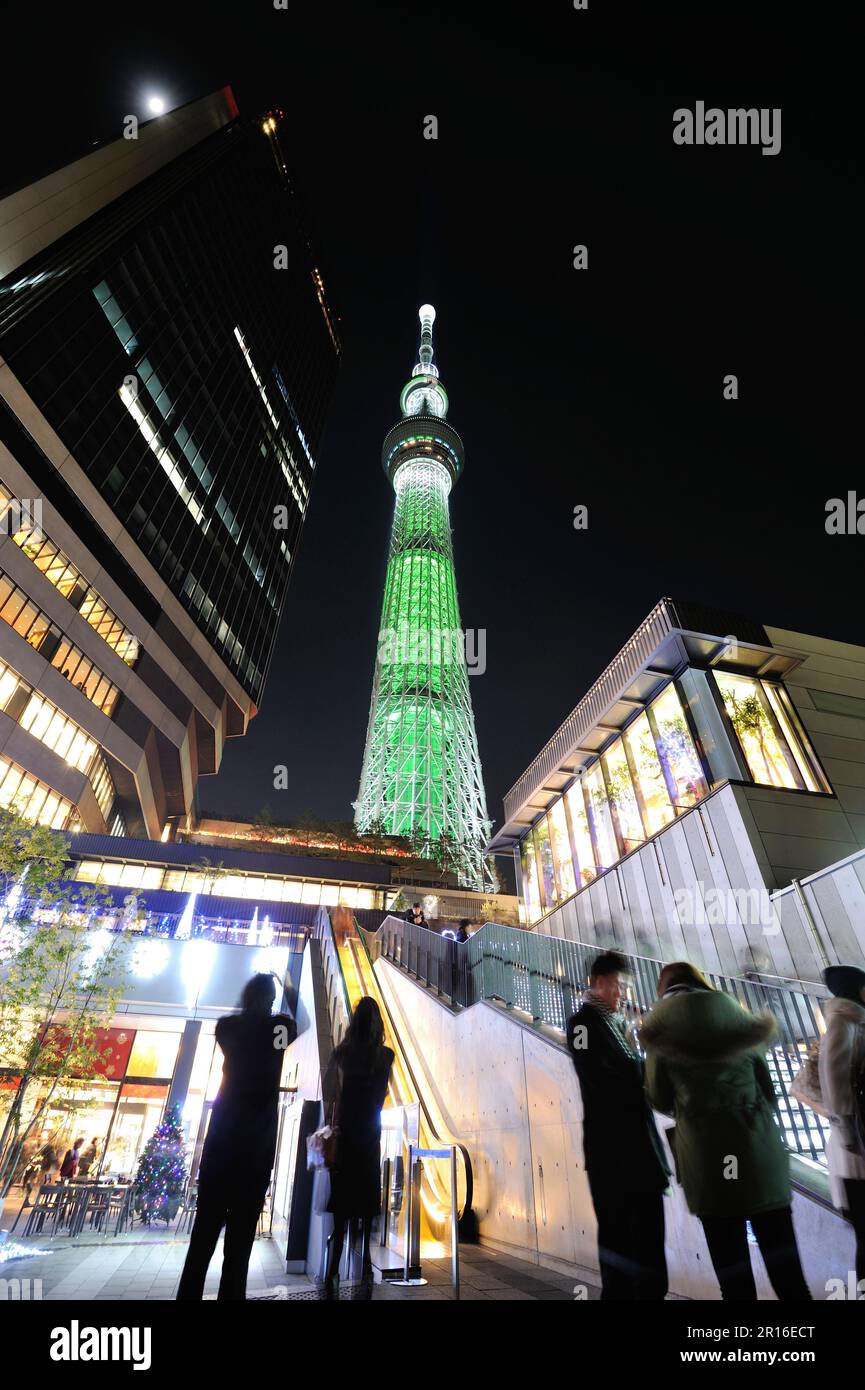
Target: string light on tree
162, 1175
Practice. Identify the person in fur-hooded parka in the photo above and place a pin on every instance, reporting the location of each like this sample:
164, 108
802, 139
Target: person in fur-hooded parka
706, 1065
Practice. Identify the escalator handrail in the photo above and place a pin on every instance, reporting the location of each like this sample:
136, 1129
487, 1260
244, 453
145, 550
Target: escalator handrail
324, 932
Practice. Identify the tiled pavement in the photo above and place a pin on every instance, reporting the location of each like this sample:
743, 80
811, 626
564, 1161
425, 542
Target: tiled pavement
146, 1265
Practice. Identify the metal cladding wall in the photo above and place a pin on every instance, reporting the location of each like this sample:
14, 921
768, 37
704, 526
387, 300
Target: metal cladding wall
703, 891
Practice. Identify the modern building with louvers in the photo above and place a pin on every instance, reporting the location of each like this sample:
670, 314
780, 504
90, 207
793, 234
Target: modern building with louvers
704, 800
167, 357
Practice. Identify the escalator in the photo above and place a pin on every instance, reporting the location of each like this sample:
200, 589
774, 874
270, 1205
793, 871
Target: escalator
355, 950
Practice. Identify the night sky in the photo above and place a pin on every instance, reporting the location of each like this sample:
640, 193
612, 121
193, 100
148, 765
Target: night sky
600, 387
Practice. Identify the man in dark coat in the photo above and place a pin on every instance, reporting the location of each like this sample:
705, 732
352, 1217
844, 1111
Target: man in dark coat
625, 1161
239, 1149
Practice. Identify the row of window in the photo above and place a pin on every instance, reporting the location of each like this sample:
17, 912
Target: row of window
103, 788
170, 461
37, 629
44, 720
57, 731
770, 734
651, 774
68, 580
141, 876
32, 798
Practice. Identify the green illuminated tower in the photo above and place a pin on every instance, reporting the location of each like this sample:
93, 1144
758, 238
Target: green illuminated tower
421, 772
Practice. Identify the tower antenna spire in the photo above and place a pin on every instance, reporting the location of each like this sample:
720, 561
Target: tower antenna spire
426, 314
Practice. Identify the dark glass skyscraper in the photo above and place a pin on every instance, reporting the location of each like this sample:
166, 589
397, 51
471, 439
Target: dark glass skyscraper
168, 355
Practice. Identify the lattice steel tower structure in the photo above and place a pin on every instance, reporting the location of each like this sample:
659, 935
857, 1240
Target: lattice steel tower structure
421, 772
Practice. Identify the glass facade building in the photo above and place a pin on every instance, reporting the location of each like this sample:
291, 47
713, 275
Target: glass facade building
708, 723
170, 357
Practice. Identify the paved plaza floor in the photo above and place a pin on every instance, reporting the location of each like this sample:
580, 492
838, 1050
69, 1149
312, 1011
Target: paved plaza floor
145, 1264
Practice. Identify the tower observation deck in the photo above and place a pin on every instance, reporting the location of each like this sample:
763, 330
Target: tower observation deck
421, 774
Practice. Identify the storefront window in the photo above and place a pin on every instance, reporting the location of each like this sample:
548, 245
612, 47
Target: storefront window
531, 890
682, 770
583, 847
561, 845
153, 1054
648, 776
545, 863
600, 818
620, 791
139, 1111
74, 1110
764, 728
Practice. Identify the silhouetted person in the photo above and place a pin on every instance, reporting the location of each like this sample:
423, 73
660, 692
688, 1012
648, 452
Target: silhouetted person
842, 1061
238, 1152
625, 1162
462, 935
706, 1065
358, 1076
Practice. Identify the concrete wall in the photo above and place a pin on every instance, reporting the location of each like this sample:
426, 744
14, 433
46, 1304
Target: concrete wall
512, 1097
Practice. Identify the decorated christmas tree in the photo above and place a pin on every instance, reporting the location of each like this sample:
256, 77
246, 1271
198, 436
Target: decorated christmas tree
161, 1178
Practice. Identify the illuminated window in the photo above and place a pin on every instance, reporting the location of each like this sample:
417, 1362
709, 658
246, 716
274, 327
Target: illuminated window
32, 798
649, 781
529, 866
765, 723
561, 846
153, 1054
679, 760
45, 722
622, 798
59, 570
600, 818
586, 867
545, 863
165, 458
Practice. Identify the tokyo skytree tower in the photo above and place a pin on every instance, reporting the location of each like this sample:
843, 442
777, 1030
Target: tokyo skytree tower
421, 772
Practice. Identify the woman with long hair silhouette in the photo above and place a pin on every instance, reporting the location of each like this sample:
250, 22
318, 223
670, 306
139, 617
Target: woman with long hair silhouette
358, 1076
